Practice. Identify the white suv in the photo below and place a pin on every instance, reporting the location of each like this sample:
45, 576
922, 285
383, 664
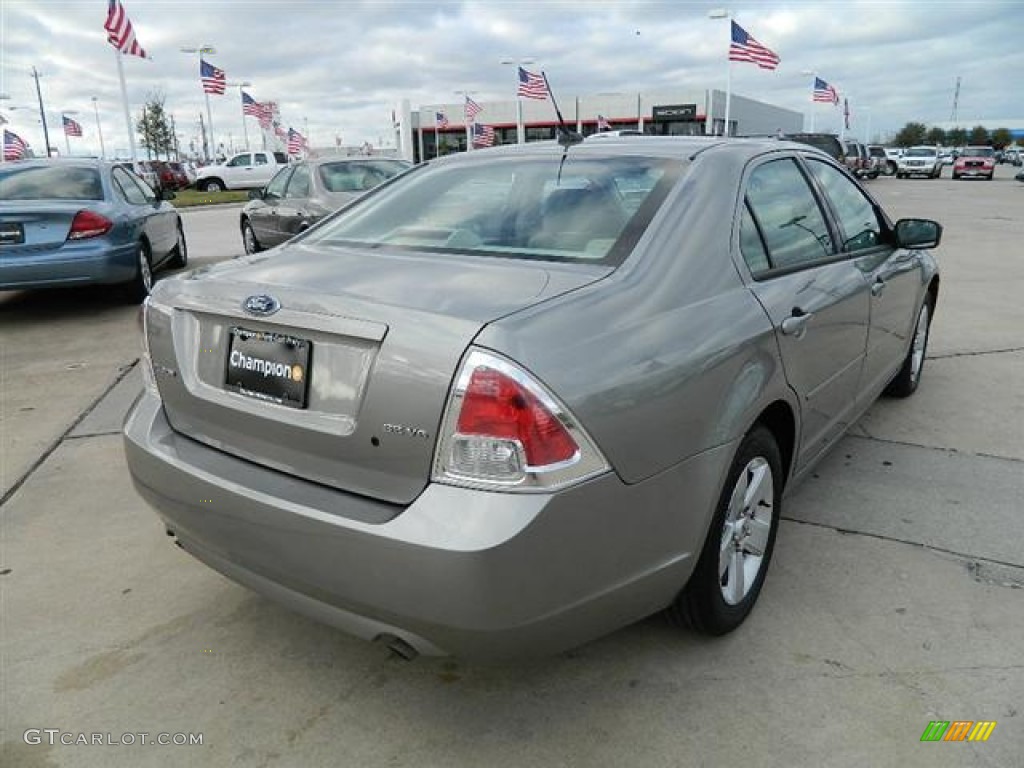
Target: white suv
920, 161
246, 170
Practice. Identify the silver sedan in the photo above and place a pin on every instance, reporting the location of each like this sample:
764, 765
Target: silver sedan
516, 399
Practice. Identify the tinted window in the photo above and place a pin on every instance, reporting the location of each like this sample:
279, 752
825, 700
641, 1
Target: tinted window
751, 245
514, 207
791, 222
56, 182
240, 160
299, 185
281, 157
277, 184
259, 159
125, 184
857, 216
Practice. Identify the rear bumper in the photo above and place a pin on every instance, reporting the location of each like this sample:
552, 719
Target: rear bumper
88, 261
460, 572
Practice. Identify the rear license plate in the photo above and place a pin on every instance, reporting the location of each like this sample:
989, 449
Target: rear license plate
12, 233
269, 366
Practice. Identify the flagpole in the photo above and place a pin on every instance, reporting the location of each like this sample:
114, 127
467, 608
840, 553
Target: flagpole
728, 96
67, 139
99, 129
124, 103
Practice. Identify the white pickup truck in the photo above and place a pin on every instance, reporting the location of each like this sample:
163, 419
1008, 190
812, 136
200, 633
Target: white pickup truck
246, 170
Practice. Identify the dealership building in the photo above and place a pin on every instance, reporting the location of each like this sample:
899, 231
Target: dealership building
423, 134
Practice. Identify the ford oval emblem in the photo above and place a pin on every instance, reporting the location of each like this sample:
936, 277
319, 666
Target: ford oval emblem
261, 305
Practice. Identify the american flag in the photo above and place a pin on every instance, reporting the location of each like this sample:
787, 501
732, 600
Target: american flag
483, 135
296, 142
264, 112
440, 120
280, 132
14, 147
825, 92
531, 86
214, 79
472, 110
71, 128
603, 124
119, 30
746, 48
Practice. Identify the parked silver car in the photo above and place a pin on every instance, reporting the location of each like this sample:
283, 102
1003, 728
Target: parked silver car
518, 398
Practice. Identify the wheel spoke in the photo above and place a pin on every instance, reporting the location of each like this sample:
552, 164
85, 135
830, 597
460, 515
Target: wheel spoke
734, 588
757, 471
725, 550
757, 541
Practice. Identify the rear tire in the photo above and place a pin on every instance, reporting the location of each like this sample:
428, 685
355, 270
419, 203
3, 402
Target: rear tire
731, 570
908, 379
179, 256
139, 287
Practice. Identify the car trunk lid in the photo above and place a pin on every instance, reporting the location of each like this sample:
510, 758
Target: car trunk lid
384, 333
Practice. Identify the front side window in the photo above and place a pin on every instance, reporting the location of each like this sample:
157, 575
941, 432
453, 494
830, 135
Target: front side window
240, 161
862, 228
791, 222
583, 209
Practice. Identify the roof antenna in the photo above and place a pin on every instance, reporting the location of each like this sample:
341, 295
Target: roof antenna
565, 137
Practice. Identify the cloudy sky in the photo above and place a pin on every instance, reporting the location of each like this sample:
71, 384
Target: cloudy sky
339, 67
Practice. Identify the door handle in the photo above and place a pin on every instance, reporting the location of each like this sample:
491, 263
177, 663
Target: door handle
878, 287
796, 324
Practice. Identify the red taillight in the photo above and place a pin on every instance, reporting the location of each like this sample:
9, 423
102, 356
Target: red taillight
497, 406
88, 224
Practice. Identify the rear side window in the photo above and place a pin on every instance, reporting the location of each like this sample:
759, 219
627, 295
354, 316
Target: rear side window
583, 209
54, 182
299, 184
794, 230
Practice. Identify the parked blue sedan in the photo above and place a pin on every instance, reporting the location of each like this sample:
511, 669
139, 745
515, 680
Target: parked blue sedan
82, 221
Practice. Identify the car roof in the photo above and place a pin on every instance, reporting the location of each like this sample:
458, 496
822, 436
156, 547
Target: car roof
674, 147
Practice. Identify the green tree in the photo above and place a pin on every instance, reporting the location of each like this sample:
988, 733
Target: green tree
957, 137
910, 135
979, 136
935, 135
154, 126
1001, 137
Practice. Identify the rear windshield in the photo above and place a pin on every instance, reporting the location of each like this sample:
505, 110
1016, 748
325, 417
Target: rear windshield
52, 182
827, 144
358, 175
584, 209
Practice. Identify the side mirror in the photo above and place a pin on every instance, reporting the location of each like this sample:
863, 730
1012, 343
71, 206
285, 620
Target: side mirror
256, 194
918, 234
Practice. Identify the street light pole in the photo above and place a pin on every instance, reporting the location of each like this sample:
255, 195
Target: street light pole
199, 51
520, 128
42, 111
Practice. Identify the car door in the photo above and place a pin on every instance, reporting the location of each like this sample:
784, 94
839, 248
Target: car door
813, 292
237, 170
896, 276
293, 214
159, 221
263, 218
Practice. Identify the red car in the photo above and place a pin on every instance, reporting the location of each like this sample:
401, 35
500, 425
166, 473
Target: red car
171, 175
975, 161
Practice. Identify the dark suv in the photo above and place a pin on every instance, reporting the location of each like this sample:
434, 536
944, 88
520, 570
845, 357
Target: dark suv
827, 142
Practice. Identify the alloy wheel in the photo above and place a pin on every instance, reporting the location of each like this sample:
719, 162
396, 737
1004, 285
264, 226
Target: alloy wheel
746, 529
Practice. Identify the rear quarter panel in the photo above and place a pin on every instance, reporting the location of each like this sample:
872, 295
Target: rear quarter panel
669, 356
